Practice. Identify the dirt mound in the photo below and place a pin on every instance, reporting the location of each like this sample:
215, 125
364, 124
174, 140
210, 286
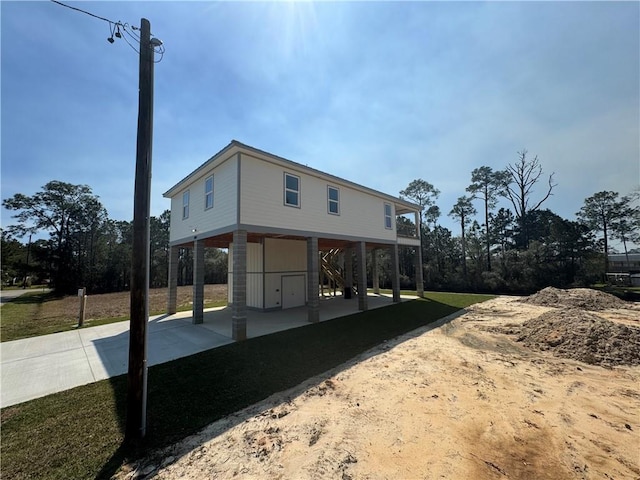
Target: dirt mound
586, 298
583, 336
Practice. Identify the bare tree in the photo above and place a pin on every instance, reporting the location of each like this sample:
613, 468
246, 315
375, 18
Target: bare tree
523, 176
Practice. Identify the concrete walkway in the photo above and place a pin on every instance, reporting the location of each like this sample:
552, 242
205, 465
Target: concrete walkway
38, 366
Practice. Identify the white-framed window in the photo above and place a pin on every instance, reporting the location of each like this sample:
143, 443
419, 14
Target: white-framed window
387, 216
333, 200
291, 190
185, 205
208, 192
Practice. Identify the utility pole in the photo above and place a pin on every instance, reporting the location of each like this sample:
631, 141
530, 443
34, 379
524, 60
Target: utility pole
139, 308
136, 424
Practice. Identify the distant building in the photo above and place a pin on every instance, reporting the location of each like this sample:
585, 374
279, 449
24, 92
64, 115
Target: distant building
621, 263
280, 221
624, 269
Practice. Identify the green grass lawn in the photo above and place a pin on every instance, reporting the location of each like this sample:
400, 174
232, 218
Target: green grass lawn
18, 315
79, 433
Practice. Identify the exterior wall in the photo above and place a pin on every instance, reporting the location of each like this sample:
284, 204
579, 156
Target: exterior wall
267, 264
254, 276
222, 214
262, 203
282, 258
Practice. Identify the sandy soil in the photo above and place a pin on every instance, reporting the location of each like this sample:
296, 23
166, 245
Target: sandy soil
466, 399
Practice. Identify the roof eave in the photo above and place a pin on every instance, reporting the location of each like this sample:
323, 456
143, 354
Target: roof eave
409, 207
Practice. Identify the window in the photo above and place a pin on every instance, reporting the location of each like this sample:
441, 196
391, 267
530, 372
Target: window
291, 190
208, 192
185, 205
333, 199
387, 216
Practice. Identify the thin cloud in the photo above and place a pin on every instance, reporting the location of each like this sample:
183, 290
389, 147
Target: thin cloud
378, 93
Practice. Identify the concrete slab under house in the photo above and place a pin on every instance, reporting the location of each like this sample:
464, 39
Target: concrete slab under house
291, 231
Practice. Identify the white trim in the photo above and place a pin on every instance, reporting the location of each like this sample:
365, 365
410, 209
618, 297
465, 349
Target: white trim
388, 216
330, 200
185, 205
208, 194
287, 190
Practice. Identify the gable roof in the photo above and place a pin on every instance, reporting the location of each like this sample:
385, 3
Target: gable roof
402, 206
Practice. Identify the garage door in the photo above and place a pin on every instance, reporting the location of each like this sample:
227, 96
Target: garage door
292, 291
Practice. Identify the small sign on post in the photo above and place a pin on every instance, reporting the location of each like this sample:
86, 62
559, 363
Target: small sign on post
82, 295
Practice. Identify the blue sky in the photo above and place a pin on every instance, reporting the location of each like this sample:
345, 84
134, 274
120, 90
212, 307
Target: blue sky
377, 93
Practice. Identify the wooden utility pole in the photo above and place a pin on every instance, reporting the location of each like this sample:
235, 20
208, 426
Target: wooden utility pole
137, 377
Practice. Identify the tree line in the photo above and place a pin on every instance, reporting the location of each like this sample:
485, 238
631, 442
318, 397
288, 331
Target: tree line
85, 247
519, 249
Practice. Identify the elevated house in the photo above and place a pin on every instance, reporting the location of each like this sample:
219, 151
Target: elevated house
284, 224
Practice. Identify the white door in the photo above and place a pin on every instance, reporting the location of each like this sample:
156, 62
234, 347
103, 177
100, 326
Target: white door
292, 291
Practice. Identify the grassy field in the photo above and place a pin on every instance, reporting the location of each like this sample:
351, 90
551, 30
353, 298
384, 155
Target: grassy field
79, 433
37, 313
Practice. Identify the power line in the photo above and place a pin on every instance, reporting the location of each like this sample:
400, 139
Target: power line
83, 11
128, 42
114, 30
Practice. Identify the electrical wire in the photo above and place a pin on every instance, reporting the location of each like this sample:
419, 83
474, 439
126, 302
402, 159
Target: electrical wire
83, 11
126, 27
161, 51
128, 42
133, 30
134, 36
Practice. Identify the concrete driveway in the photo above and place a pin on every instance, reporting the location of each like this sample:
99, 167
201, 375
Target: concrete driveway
38, 366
